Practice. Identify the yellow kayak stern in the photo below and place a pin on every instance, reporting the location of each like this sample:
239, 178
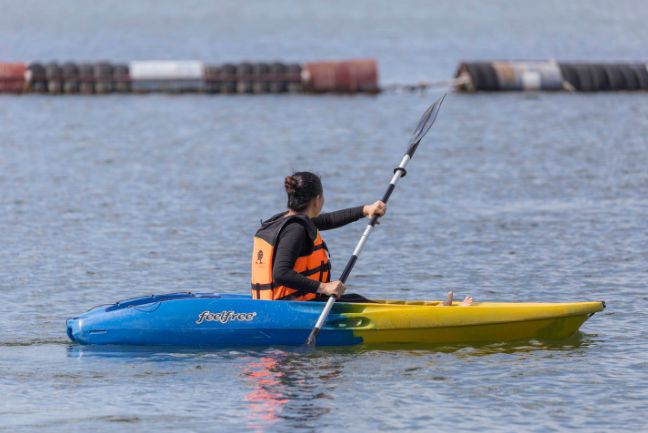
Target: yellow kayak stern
427, 322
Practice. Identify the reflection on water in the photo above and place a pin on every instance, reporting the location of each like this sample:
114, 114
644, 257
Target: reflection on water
267, 398
285, 389
290, 389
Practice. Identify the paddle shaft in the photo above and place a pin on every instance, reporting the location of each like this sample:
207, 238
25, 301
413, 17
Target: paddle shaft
424, 125
398, 173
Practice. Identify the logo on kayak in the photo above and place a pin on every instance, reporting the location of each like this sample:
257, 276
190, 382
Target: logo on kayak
224, 317
259, 257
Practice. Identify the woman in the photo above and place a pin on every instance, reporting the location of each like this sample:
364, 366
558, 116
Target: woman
290, 259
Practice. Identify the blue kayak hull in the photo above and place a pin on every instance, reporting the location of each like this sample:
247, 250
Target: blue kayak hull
206, 319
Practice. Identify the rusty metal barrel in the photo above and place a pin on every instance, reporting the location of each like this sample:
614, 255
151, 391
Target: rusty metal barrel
12, 77
350, 76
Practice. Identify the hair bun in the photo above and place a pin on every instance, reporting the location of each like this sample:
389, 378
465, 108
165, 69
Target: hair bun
291, 184
302, 187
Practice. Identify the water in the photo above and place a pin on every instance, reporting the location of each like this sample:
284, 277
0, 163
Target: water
511, 197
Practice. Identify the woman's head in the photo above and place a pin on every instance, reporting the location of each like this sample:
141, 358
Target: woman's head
304, 187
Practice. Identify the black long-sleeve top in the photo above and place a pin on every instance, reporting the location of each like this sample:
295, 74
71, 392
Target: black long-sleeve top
292, 243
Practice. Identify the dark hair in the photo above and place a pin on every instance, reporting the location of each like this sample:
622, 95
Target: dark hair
301, 188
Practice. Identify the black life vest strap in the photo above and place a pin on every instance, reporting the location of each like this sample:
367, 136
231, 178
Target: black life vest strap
257, 286
323, 267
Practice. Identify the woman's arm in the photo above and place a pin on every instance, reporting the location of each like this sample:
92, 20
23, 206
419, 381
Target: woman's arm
339, 218
289, 247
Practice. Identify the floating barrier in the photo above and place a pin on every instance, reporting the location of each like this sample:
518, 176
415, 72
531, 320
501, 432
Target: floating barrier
352, 76
349, 76
550, 76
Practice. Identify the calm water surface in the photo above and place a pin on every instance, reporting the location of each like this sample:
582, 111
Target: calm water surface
537, 197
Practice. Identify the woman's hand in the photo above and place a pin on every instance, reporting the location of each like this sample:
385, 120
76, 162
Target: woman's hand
334, 288
377, 208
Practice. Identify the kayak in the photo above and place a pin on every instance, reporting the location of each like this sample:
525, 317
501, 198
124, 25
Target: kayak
225, 320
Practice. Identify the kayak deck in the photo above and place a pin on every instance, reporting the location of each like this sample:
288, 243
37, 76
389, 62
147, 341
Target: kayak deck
208, 319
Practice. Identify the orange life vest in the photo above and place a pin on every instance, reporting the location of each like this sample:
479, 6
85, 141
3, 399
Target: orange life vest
314, 265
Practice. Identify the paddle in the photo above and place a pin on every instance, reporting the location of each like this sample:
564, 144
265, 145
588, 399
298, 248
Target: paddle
424, 125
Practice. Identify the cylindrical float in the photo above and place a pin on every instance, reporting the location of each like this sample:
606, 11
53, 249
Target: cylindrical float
86, 78
278, 81
350, 76
294, 78
36, 78
476, 76
166, 76
213, 79
70, 74
244, 78
121, 78
12, 77
550, 75
228, 77
261, 78
54, 77
103, 77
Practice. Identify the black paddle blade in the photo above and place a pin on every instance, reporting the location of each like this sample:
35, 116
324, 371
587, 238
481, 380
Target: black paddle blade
424, 125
